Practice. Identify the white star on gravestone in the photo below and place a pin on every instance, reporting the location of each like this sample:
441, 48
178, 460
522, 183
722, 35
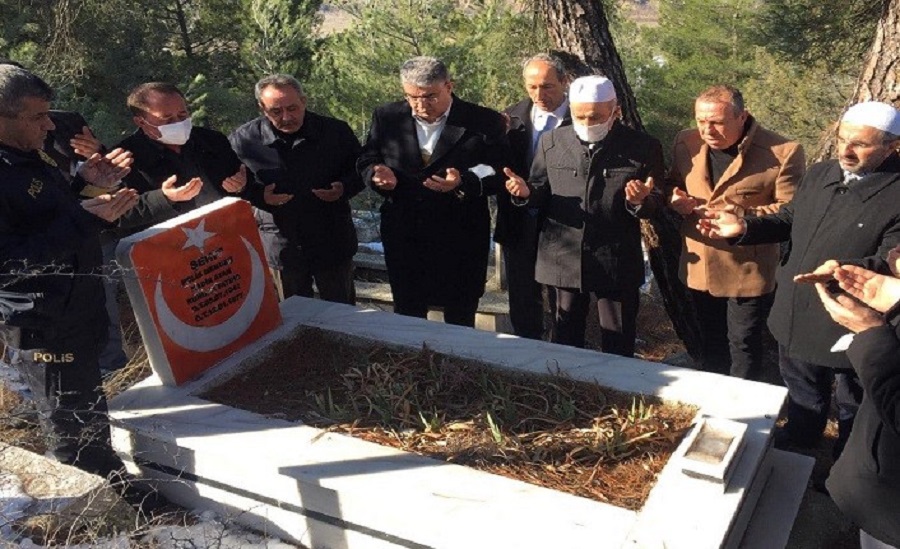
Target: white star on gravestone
196, 237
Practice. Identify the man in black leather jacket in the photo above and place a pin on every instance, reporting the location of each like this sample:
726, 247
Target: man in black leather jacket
305, 168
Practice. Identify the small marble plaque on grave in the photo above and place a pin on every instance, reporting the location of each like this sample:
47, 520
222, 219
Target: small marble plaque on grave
713, 448
200, 288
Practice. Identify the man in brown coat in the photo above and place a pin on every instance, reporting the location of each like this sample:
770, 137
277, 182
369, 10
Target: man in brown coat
730, 162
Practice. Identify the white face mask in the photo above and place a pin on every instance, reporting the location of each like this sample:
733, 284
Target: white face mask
595, 133
176, 133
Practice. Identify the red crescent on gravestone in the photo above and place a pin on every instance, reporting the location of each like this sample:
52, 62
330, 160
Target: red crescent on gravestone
210, 338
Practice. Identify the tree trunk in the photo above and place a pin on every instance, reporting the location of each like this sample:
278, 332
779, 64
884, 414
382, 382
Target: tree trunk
178, 13
580, 27
880, 77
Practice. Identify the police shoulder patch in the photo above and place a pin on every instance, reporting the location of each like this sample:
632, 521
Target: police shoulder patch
47, 158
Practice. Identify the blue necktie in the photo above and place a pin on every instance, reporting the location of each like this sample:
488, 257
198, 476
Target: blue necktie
549, 124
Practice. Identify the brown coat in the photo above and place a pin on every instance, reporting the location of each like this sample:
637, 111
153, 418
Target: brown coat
761, 178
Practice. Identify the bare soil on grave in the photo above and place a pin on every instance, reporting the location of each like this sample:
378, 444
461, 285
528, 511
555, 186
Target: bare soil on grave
546, 430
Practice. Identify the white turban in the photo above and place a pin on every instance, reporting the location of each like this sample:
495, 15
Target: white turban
875, 114
591, 89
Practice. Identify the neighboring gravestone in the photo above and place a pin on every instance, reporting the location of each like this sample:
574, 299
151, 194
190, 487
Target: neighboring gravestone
45, 499
200, 288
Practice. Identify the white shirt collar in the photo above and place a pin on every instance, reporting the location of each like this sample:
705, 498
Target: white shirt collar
428, 133
850, 177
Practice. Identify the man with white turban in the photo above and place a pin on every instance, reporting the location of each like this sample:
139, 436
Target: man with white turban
845, 211
592, 181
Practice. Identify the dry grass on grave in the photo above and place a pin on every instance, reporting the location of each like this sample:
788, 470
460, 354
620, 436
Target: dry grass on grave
551, 431
18, 422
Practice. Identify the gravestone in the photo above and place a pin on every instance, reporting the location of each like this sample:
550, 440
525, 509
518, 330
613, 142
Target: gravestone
200, 288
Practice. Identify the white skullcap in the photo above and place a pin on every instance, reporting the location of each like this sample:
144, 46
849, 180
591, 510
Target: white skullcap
591, 89
875, 114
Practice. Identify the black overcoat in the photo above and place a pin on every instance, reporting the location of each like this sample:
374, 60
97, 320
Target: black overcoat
589, 240
865, 481
826, 220
324, 151
436, 244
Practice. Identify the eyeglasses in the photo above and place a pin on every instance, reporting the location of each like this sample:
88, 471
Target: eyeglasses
429, 98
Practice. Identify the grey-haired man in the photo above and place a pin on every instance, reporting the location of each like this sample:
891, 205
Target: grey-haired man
435, 159
305, 167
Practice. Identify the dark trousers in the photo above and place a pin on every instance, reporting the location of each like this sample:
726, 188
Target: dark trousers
334, 282
112, 357
64, 378
461, 313
526, 303
809, 399
618, 319
732, 333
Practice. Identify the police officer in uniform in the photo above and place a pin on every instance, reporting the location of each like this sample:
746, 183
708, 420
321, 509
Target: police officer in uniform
50, 262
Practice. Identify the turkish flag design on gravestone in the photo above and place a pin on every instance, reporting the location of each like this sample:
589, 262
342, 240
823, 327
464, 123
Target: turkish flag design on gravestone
207, 288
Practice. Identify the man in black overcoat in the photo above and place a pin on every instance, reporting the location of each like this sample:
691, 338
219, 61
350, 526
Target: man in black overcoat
845, 210
435, 159
304, 165
592, 182
865, 481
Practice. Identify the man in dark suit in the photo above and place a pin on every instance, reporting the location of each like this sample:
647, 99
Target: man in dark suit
546, 108
435, 158
845, 209
305, 164
588, 181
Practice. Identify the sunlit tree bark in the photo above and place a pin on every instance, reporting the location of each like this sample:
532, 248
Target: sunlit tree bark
880, 76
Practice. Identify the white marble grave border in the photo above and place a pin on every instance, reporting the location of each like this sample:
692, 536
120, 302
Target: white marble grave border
330, 490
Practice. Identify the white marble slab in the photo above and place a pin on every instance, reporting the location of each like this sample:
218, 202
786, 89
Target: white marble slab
772, 518
344, 492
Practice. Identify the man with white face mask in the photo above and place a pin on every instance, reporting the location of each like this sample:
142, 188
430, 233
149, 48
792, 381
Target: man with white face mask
592, 181
193, 166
